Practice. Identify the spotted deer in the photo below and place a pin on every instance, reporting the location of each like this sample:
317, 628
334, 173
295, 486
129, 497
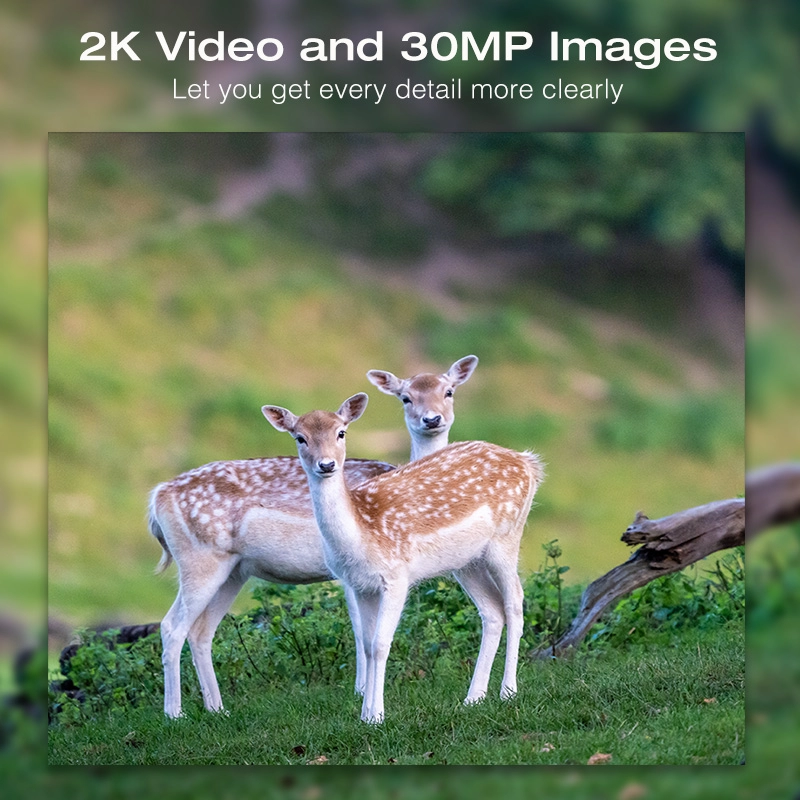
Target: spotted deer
460, 510
427, 402
229, 520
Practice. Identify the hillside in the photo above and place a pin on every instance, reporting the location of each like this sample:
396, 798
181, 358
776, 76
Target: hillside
171, 324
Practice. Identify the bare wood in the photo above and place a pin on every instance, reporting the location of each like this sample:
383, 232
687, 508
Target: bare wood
668, 544
672, 543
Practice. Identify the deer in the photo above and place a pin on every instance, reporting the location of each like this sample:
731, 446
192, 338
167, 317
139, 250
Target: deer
460, 510
226, 521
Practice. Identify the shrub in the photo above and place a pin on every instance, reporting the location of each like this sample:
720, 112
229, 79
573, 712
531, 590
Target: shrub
306, 630
106, 676
655, 612
549, 605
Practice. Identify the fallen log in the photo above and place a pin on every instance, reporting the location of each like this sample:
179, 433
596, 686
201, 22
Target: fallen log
672, 543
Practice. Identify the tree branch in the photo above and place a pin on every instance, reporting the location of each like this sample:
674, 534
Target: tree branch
672, 543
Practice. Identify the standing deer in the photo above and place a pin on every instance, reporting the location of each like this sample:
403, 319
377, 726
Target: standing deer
461, 510
229, 520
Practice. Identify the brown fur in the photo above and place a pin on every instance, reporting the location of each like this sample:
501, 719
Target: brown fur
233, 488
443, 499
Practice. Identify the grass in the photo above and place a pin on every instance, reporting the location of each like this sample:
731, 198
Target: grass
662, 705
671, 694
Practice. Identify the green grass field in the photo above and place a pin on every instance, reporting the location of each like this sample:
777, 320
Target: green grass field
661, 705
659, 681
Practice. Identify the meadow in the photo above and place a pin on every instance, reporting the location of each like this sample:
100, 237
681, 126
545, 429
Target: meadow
660, 681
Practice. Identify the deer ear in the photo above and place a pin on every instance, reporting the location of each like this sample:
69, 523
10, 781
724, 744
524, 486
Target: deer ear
280, 418
462, 370
385, 381
353, 407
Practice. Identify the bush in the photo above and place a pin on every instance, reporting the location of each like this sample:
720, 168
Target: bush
549, 605
306, 631
656, 612
774, 586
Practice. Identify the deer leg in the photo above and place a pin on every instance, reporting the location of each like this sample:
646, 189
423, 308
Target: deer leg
197, 588
504, 572
358, 631
389, 610
201, 635
478, 583
367, 606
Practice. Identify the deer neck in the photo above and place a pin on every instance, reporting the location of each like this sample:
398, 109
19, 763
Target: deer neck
422, 446
333, 511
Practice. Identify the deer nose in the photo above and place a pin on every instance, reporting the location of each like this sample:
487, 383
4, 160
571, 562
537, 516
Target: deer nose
432, 422
326, 466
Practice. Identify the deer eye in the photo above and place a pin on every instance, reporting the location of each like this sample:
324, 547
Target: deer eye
406, 399
300, 439
341, 434
448, 393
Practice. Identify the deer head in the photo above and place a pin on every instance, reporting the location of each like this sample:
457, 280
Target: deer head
427, 398
320, 435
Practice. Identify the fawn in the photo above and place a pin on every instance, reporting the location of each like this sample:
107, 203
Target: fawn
461, 510
229, 520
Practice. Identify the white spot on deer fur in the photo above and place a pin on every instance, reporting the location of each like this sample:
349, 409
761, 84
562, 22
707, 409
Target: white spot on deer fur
204, 518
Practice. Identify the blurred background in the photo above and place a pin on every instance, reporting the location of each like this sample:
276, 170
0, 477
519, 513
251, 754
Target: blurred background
751, 86
193, 277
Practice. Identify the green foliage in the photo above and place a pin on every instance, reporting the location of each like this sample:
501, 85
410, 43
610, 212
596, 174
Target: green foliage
112, 677
564, 712
105, 170
309, 636
773, 369
300, 636
286, 670
774, 585
438, 632
498, 334
658, 611
536, 429
700, 425
305, 631
516, 184
549, 604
